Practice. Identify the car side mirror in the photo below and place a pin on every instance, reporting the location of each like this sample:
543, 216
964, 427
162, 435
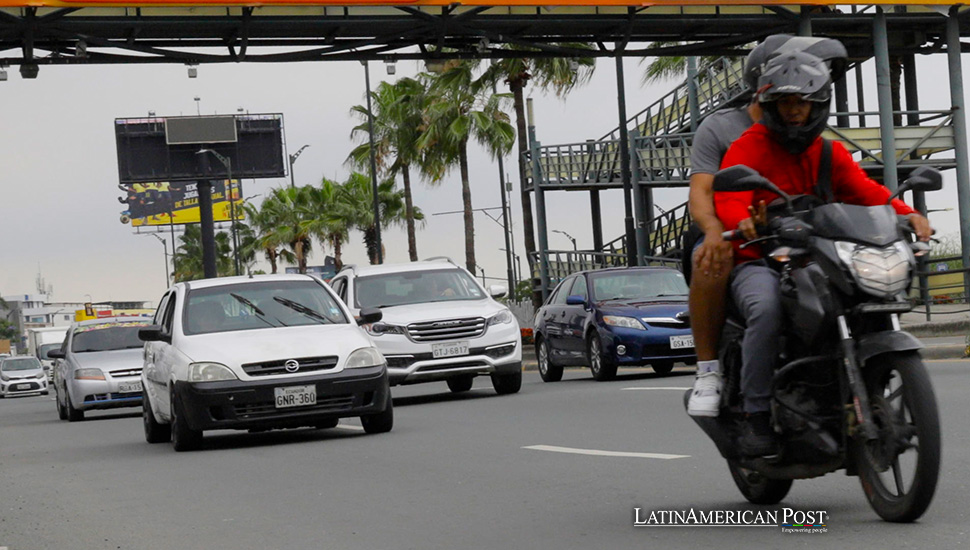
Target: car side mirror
55, 354
369, 315
575, 300
497, 291
153, 333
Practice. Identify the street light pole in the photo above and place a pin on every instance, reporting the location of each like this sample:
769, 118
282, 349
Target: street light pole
373, 164
568, 236
165, 252
293, 158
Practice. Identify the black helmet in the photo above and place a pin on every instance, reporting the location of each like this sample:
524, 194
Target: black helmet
829, 50
804, 75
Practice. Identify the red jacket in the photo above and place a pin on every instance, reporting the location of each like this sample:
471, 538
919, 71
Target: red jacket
795, 175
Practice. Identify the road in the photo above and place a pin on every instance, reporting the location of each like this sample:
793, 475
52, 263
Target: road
471, 471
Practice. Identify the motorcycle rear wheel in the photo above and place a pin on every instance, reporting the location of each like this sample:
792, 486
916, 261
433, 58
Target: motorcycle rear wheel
899, 470
757, 488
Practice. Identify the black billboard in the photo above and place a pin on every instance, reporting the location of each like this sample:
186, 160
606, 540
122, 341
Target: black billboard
145, 156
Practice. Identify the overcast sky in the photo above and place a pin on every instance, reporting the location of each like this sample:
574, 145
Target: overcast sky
59, 214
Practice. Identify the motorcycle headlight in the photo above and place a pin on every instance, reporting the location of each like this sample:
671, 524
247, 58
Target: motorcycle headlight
882, 272
365, 357
624, 322
210, 372
88, 374
503, 318
379, 329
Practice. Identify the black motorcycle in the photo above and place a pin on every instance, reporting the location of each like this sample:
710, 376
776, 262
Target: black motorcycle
850, 390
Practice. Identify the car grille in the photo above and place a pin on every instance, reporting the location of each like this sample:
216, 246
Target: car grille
450, 366
94, 398
666, 322
125, 372
307, 364
250, 411
19, 381
447, 329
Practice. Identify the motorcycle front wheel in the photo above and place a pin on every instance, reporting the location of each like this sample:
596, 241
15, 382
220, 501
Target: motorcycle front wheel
757, 488
899, 470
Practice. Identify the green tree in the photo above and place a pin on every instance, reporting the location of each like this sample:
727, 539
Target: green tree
331, 214
357, 195
266, 238
8, 331
557, 74
460, 108
288, 208
397, 118
188, 255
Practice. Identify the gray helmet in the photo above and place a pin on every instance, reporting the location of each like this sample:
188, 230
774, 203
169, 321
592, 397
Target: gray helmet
802, 74
829, 50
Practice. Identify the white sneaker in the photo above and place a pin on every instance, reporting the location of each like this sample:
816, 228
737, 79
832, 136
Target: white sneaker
705, 399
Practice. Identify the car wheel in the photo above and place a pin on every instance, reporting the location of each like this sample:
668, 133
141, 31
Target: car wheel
154, 432
326, 424
73, 415
184, 438
602, 367
47, 392
381, 422
61, 409
460, 384
507, 383
548, 371
662, 368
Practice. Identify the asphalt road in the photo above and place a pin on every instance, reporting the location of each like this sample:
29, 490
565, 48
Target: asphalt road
471, 471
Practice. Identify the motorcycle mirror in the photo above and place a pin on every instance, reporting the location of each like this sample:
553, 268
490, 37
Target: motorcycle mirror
743, 178
924, 178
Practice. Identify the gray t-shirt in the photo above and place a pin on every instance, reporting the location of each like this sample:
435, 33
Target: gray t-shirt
715, 134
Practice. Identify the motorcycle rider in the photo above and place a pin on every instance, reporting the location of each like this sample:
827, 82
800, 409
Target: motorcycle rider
786, 148
711, 256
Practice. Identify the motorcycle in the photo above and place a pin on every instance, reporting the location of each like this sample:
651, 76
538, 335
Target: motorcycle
851, 390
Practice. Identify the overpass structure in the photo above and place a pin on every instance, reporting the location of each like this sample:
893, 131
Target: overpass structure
645, 151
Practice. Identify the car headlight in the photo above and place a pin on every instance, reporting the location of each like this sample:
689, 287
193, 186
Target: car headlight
882, 272
624, 322
41, 375
88, 374
210, 372
4, 378
379, 329
503, 318
364, 357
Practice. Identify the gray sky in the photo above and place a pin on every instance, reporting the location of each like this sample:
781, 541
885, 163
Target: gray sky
59, 212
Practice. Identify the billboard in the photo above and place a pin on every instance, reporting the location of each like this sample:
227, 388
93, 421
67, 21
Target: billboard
164, 203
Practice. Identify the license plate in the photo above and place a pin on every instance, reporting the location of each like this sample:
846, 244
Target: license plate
681, 342
129, 387
22, 387
295, 396
453, 349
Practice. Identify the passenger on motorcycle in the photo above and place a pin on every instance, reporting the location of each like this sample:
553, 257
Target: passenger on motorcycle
786, 148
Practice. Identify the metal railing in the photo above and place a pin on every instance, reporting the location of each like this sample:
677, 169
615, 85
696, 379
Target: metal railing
563, 263
935, 286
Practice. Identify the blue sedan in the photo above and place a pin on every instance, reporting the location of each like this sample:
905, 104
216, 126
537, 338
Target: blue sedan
607, 318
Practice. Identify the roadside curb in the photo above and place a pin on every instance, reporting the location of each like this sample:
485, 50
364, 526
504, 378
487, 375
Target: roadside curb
948, 351
944, 328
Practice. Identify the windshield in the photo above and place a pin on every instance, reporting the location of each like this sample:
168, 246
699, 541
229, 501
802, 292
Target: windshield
42, 352
20, 363
639, 284
416, 287
107, 337
262, 304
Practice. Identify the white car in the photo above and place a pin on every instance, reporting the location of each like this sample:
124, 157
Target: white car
22, 375
438, 323
272, 351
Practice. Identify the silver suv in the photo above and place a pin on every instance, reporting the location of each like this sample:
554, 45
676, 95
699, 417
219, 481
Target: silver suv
438, 323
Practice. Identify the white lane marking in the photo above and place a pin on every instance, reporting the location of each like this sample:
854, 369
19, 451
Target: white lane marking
659, 388
350, 427
596, 452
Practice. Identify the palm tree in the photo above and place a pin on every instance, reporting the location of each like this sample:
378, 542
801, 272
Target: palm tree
558, 74
330, 216
288, 208
358, 198
460, 108
266, 237
397, 118
188, 256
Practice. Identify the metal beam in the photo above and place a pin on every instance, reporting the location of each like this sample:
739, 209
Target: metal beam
960, 138
880, 41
